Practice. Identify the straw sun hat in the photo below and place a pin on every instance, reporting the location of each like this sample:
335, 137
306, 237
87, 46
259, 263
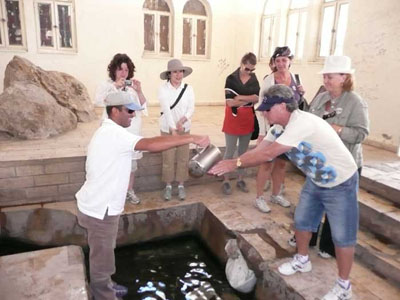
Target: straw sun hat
175, 65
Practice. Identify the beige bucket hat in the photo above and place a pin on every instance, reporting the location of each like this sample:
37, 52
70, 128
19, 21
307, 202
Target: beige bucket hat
175, 65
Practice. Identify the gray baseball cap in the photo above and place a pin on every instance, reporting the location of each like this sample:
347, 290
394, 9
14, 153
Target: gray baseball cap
122, 98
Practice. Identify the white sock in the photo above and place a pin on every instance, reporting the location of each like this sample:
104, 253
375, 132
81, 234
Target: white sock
180, 186
344, 283
302, 258
168, 186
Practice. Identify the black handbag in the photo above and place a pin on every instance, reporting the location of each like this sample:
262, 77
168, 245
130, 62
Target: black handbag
256, 130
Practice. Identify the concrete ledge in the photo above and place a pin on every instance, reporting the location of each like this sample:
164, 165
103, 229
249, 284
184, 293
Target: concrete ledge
55, 273
382, 179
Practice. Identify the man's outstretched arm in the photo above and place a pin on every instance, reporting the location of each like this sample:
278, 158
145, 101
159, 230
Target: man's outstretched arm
161, 143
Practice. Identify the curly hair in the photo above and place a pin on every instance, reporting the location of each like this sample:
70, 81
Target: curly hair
116, 63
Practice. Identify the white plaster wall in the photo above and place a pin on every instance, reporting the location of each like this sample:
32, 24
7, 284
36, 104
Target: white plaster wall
373, 42
105, 27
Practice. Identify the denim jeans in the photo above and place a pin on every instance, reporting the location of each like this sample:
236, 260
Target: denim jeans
340, 204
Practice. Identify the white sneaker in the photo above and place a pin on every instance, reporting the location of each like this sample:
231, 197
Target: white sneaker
168, 193
338, 293
324, 254
294, 266
280, 200
181, 192
132, 198
262, 205
292, 241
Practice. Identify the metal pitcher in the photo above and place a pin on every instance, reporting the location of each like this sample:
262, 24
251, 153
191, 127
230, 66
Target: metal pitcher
204, 160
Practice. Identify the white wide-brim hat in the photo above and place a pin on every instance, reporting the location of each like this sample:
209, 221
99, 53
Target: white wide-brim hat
337, 64
175, 65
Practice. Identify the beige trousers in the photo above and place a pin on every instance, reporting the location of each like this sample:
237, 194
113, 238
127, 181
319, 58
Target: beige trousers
102, 236
180, 155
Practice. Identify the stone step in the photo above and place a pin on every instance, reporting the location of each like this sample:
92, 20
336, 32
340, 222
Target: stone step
382, 179
380, 216
313, 285
381, 257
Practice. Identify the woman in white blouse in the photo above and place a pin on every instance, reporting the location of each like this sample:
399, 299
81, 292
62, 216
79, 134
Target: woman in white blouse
177, 107
121, 71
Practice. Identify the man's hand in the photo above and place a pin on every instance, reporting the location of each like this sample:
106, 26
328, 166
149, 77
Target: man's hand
260, 139
201, 140
222, 167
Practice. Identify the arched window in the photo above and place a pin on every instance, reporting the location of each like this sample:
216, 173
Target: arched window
195, 29
12, 33
333, 27
296, 26
157, 27
268, 28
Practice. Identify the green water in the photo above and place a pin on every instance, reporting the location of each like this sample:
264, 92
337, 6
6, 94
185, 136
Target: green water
173, 269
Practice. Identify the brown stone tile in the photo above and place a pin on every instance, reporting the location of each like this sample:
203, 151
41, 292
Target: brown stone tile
7, 172
29, 170
51, 179
16, 182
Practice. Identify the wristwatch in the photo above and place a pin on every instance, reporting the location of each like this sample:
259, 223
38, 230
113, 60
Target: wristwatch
238, 162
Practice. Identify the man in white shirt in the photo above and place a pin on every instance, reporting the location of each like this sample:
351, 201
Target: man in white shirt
101, 199
331, 181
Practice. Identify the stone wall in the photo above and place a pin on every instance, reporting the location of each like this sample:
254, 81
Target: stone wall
54, 180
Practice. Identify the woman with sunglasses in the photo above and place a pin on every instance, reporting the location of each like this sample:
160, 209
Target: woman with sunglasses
280, 64
241, 92
347, 113
121, 71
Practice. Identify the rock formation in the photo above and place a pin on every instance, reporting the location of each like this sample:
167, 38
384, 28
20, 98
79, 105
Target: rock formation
29, 112
38, 104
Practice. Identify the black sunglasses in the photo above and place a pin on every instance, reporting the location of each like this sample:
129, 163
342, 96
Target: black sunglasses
130, 111
249, 70
330, 115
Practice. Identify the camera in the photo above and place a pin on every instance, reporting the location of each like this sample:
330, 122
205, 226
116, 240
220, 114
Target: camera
128, 82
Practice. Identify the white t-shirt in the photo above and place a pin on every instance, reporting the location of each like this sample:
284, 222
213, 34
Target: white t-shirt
108, 166
167, 95
317, 149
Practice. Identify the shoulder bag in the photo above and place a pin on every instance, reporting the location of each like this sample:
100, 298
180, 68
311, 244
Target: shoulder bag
177, 99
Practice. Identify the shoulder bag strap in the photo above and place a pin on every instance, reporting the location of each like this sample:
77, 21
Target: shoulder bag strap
177, 99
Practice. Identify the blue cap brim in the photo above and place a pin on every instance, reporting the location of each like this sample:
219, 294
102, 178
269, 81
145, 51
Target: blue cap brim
133, 106
264, 106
